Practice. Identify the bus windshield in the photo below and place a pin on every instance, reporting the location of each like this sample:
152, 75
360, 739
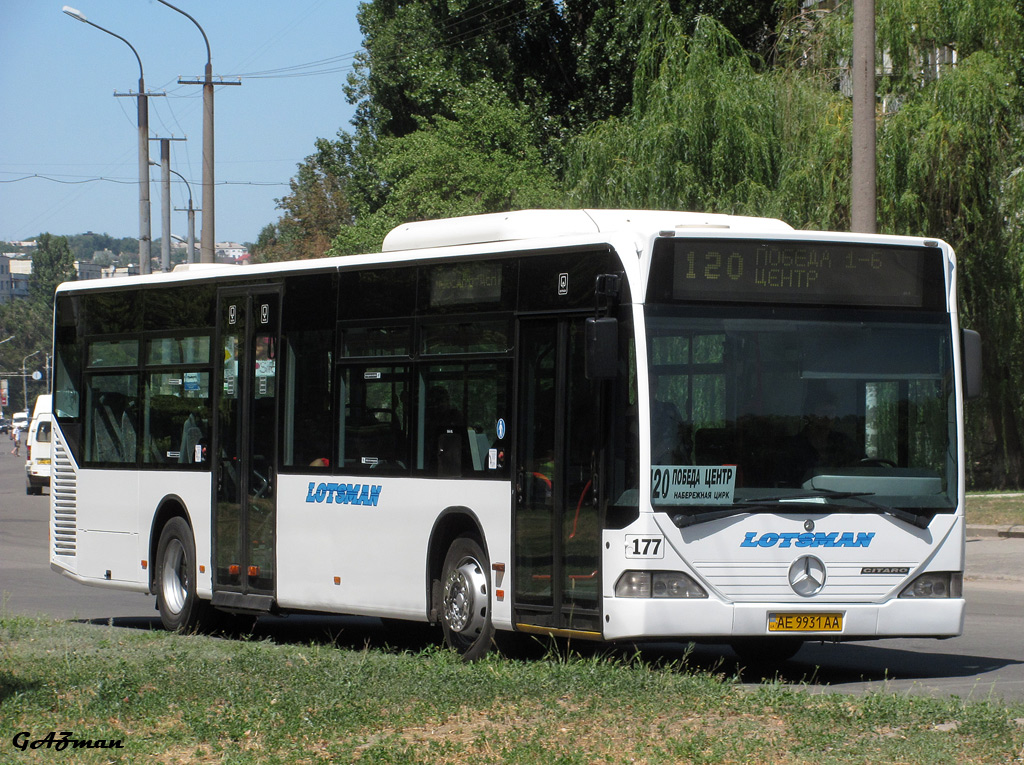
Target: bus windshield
760, 408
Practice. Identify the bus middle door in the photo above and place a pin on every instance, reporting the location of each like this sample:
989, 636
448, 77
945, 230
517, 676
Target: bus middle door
557, 519
245, 499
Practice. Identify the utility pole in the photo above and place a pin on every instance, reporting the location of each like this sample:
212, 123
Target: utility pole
206, 234
165, 201
207, 244
863, 202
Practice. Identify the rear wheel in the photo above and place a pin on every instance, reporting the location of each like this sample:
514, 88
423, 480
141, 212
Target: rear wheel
466, 599
181, 610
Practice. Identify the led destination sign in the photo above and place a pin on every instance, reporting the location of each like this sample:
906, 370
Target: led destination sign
823, 273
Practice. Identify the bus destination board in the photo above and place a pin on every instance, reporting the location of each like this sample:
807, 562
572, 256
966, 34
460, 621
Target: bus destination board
806, 272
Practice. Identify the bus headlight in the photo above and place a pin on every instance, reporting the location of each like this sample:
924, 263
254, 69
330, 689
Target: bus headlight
657, 584
943, 584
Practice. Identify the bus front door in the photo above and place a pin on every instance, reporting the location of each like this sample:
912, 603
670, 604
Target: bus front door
558, 479
245, 501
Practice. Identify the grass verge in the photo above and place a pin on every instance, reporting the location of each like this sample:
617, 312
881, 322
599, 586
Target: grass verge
171, 698
996, 509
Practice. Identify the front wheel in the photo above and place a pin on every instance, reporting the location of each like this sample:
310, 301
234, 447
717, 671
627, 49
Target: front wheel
181, 610
466, 599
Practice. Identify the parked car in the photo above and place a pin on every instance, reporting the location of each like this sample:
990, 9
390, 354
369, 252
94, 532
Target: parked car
39, 450
5, 425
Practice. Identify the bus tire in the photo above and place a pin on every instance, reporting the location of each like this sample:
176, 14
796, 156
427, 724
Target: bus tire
466, 599
180, 608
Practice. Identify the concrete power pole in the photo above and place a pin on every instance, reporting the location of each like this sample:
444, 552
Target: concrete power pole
206, 235
165, 201
863, 200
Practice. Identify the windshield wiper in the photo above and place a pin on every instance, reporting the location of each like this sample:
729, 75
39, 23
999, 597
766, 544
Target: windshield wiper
802, 500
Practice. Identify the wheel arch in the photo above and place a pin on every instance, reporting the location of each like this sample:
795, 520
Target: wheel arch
452, 523
171, 506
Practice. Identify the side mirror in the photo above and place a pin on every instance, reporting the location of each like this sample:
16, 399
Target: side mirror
602, 348
970, 361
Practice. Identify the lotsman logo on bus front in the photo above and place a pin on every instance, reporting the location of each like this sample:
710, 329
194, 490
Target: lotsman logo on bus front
808, 539
343, 493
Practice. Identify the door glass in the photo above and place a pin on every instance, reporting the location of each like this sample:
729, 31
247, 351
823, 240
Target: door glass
580, 524
536, 468
262, 490
246, 413
228, 531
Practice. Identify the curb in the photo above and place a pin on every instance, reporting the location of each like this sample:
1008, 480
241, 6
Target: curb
1000, 532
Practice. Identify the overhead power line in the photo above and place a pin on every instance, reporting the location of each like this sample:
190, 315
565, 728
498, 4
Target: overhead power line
131, 182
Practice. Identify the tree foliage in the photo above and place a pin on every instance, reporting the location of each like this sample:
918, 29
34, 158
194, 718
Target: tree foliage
314, 211
483, 159
28, 322
468, 107
52, 263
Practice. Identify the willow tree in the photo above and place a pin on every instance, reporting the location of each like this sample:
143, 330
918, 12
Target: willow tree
712, 128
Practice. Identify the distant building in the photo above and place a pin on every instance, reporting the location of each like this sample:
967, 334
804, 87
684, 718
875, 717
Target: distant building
6, 280
230, 252
86, 269
14, 274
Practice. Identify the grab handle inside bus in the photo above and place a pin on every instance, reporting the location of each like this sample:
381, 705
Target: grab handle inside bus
970, 358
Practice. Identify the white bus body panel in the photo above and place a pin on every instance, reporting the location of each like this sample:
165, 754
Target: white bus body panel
743, 563
101, 520
377, 552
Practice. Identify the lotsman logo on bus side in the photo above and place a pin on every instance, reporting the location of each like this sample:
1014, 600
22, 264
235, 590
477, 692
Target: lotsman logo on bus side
343, 493
808, 539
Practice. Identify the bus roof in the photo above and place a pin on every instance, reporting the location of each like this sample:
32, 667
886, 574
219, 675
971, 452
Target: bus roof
534, 224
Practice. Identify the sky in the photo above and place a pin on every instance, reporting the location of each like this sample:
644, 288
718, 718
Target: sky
62, 128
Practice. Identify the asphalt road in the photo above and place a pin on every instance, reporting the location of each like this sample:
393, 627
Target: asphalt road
986, 662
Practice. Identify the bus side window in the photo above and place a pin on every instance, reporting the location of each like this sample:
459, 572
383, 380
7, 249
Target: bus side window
460, 406
112, 421
308, 407
374, 419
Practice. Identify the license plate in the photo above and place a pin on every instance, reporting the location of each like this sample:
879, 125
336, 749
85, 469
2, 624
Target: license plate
44, 462
805, 622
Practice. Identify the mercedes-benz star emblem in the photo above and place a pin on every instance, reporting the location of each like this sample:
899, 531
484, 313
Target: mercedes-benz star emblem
807, 576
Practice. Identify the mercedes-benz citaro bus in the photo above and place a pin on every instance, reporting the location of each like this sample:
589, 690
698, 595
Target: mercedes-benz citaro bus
602, 424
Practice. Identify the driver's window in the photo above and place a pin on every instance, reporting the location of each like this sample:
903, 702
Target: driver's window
374, 423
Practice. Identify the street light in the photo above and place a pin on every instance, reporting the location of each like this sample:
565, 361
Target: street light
206, 235
191, 241
145, 231
191, 221
24, 380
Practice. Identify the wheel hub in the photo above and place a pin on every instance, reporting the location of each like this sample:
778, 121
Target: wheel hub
174, 582
465, 598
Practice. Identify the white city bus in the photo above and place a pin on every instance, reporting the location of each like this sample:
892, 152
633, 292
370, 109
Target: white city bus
600, 424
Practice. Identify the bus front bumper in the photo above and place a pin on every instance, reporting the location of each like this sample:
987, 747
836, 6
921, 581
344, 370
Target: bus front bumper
653, 618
